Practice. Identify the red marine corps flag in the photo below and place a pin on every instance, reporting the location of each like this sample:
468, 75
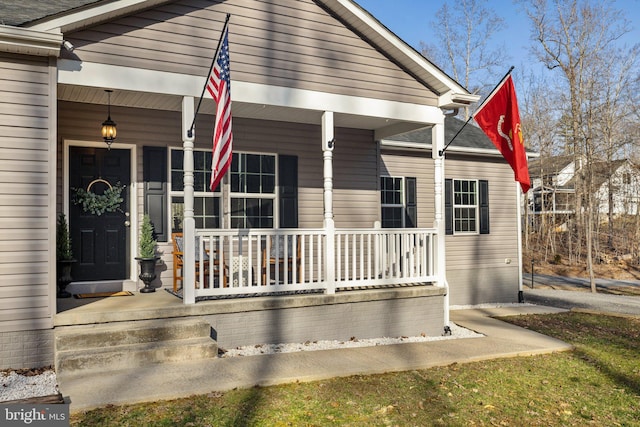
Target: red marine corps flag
499, 118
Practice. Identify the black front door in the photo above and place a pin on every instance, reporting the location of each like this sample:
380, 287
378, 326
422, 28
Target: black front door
100, 242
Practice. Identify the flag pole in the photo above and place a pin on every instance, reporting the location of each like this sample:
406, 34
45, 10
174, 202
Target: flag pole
441, 152
215, 57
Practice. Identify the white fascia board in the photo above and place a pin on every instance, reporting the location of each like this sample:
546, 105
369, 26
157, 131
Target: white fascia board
134, 79
29, 41
94, 14
420, 146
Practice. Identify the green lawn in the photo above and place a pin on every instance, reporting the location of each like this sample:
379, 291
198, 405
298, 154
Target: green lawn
596, 384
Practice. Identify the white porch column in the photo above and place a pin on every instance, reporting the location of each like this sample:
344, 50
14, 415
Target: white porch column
328, 142
437, 136
188, 223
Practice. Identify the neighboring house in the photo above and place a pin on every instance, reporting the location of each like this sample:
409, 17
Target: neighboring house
386, 231
552, 190
554, 182
623, 179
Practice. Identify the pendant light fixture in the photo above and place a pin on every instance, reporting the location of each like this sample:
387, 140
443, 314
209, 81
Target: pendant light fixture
109, 126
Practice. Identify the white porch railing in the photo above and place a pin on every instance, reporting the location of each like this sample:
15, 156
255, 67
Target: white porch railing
260, 261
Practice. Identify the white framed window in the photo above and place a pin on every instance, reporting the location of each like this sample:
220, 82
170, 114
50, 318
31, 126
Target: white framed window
465, 206
253, 190
250, 192
206, 204
398, 202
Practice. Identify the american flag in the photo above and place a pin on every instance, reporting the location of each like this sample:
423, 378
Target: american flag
219, 86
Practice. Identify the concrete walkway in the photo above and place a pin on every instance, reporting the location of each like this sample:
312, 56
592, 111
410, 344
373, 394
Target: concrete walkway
168, 381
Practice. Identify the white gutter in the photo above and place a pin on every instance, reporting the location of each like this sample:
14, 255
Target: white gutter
93, 14
29, 42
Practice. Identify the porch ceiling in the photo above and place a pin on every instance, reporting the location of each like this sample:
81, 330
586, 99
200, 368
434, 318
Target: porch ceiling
154, 101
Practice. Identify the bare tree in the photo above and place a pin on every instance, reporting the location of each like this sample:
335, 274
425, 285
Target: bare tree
616, 89
574, 38
465, 29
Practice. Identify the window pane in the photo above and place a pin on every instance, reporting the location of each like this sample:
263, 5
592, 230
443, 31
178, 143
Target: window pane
237, 207
198, 181
198, 160
177, 159
177, 213
391, 217
266, 210
268, 184
235, 183
253, 183
269, 165
198, 206
176, 180
397, 198
253, 163
211, 206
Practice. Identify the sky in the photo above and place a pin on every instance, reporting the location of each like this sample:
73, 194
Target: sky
411, 21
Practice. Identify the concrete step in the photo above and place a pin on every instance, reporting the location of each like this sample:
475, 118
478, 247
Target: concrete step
120, 345
121, 333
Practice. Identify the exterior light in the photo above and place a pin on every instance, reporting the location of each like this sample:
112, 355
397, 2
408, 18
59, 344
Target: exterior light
109, 131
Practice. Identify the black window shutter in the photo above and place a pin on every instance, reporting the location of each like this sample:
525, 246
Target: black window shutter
155, 189
484, 206
411, 199
288, 181
448, 206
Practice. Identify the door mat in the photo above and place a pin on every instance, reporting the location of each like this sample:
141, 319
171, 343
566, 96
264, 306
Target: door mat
104, 294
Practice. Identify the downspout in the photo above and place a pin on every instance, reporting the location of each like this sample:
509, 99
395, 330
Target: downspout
519, 231
437, 138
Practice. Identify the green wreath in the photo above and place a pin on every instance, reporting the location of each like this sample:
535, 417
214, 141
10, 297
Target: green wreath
97, 204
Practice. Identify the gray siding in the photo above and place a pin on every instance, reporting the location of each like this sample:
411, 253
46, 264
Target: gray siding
477, 270
414, 164
290, 43
356, 200
393, 317
26, 291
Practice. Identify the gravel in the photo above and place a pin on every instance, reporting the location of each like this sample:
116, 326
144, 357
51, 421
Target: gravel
456, 332
27, 384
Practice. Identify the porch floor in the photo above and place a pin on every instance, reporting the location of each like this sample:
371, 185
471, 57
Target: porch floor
163, 305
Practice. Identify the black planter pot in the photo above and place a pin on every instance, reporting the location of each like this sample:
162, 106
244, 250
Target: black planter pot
147, 273
64, 276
